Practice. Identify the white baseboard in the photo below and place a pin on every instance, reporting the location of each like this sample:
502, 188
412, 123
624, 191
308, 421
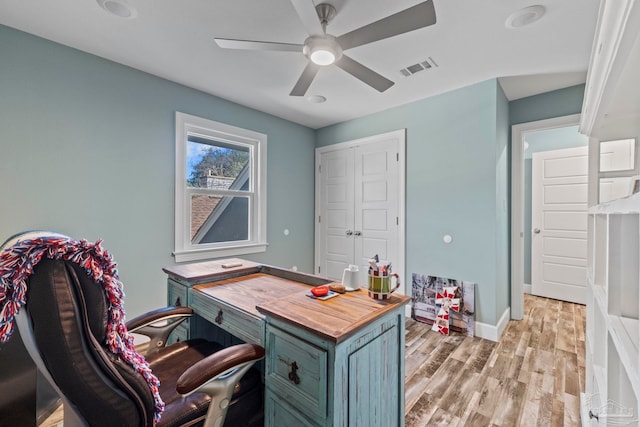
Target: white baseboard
493, 332
483, 330
527, 288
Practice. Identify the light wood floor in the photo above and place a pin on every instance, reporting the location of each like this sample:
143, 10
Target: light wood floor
533, 376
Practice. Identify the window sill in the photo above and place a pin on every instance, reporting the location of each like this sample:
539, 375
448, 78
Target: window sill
200, 254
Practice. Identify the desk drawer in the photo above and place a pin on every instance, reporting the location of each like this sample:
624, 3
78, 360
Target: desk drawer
238, 323
176, 294
297, 371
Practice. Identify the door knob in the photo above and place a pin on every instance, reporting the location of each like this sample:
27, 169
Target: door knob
349, 233
358, 233
536, 231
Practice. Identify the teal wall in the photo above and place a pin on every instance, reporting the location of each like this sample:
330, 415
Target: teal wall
87, 148
544, 140
456, 163
557, 103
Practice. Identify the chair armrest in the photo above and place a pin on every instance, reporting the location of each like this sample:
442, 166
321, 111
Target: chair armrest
220, 362
217, 376
147, 324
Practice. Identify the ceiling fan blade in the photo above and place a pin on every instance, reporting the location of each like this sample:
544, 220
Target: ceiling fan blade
305, 79
416, 17
256, 45
309, 17
367, 75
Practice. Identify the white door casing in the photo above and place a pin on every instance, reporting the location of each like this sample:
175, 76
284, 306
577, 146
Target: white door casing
360, 204
517, 202
559, 224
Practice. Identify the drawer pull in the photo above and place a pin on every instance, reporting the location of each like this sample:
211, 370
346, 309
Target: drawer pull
218, 318
293, 375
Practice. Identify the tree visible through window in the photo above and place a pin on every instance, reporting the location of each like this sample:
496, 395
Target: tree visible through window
215, 166
222, 185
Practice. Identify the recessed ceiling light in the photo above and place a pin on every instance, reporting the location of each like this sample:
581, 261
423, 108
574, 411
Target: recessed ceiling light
119, 8
525, 16
316, 99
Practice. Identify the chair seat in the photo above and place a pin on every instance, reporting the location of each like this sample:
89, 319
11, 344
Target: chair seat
168, 368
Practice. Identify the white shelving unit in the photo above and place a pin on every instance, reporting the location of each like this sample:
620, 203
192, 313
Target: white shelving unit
611, 111
613, 309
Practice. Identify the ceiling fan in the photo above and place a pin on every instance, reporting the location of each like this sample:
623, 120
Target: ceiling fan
324, 49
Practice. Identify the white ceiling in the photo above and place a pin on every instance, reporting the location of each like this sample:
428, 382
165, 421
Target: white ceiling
469, 42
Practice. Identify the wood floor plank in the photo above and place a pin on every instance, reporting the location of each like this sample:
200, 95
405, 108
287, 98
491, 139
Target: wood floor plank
557, 414
532, 376
545, 411
523, 380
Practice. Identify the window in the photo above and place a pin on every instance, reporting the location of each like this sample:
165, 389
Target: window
220, 189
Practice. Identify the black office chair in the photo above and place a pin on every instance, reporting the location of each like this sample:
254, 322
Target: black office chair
64, 324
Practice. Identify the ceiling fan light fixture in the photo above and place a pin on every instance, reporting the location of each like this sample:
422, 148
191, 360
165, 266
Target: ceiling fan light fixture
322, 56
322, 50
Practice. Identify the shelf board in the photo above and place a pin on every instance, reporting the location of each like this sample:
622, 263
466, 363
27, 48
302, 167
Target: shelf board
589, 339
626, 347
629, 204
599, 375
600, 297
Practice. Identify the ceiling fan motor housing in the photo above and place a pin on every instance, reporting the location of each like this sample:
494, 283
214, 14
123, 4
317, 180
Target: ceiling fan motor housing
322, 50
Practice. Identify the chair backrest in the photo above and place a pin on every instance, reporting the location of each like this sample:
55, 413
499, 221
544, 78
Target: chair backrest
65, 320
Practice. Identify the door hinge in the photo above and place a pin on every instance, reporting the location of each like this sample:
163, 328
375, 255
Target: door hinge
318, 269
319, 219
397, 221
397, 157
319, 168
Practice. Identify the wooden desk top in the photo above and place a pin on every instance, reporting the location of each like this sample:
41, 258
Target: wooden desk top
268, 291
246, 292
335, 319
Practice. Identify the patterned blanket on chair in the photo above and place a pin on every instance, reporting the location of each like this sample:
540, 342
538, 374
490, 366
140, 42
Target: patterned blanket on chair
16, 265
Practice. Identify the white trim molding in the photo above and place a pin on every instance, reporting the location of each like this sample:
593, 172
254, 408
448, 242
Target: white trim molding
612, 73
517, 203
255, 175
493, 332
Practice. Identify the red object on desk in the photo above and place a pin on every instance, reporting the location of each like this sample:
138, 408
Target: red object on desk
320, 291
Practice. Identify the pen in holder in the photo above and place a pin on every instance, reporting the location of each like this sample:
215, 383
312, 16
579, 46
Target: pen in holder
381, 281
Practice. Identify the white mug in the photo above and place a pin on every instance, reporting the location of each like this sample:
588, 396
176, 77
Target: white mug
350, 278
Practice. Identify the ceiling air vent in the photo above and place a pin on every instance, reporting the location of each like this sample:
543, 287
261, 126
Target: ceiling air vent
416, 68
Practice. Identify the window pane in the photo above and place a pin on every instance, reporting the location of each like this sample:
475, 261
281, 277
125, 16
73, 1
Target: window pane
217, 165
217, 219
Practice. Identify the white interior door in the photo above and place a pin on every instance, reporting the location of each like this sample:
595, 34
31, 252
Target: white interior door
336, 218
376, 225
559, 224
359, 205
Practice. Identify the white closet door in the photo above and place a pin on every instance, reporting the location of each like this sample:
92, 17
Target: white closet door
337, 212
358, 205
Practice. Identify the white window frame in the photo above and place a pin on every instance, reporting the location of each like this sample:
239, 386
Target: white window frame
256, 142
